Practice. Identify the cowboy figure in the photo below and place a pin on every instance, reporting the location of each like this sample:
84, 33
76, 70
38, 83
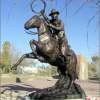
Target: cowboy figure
58, 29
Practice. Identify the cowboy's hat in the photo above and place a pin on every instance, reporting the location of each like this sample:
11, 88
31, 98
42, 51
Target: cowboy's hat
53, 11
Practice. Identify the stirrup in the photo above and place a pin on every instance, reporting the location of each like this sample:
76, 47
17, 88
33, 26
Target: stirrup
69, 54
63, 58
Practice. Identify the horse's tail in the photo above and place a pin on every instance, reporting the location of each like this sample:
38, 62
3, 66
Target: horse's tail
74, 66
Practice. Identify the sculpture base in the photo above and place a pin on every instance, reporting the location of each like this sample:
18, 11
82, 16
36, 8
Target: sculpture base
62, 90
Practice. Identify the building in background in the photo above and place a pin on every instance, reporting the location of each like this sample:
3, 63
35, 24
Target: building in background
98, 68
27, 70
82, 68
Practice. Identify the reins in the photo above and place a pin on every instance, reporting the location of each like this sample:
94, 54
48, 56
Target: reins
31, 32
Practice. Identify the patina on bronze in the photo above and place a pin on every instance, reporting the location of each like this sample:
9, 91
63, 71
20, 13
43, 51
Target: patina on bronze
47, 50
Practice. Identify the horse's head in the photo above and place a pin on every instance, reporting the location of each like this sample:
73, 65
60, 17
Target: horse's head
33, 22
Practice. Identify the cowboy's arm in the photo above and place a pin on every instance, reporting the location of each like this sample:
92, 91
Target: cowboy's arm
61, 27
44, 16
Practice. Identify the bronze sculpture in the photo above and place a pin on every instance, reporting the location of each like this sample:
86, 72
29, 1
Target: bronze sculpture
47, 50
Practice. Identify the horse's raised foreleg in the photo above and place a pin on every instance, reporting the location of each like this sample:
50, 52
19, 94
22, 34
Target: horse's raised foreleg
28, 55
32, 44
38, 45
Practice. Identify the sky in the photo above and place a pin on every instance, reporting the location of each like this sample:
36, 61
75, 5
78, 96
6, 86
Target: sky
14, 14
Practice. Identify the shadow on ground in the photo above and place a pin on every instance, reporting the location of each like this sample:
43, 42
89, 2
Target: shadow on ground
18, 87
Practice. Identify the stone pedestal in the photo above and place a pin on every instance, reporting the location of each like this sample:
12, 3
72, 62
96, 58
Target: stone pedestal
62, 90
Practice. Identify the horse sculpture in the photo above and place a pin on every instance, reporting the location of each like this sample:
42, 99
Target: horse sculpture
46, 49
